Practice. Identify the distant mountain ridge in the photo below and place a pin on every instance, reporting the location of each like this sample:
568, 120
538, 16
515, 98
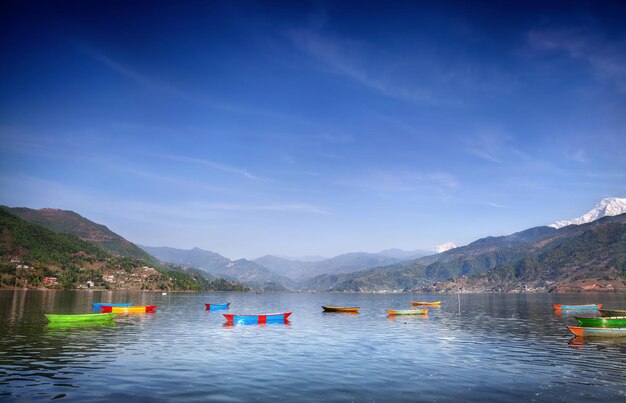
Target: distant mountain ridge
248, 272
473, 259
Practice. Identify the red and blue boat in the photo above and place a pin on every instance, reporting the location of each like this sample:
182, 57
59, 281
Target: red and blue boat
583, 307
217, 307
257, 319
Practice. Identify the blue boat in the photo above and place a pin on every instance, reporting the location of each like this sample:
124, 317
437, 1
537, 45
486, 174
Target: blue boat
257, 319
97, 305
217, 307
585, 307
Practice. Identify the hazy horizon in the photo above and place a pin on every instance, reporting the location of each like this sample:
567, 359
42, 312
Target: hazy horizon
313, 128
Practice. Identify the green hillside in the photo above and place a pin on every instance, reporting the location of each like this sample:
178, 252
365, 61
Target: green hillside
34, 256
68, 222
594, 260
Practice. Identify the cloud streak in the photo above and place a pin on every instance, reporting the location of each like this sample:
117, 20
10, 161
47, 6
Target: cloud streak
345, 58
210, 164
607, 59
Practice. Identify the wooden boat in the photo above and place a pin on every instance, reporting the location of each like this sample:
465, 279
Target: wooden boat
612, 312
341, 309
215, 307
598, 331
128, 309
97, 305
433, 303
407, 311
616, 321
560, 307
259, 319
79, 317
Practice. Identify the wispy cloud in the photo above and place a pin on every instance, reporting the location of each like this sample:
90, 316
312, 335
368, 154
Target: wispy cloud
275, 207
346, 58
181, 93
400, 181
490, 145
606, 58
210, 164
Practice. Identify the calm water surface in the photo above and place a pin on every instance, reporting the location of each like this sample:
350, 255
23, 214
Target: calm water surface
474, 348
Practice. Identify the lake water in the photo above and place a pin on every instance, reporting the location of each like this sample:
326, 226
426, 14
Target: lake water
474, 348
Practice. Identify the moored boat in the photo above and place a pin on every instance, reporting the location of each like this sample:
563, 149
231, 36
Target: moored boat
340, 309
560, 307
258, 319
79, 317
616, 321
394, 312
612, 312
597, 331
215, 307
128, 309
97, 305
418, 303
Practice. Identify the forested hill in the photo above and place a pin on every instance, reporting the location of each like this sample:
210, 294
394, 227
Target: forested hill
69, 222
34, 256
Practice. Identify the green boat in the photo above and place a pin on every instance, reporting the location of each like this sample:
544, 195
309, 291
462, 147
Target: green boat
86, 324
618, 321
80, 317
612, 312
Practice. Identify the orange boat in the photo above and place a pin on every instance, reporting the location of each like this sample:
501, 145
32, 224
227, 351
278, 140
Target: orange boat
128, 309
342, 309
417, 303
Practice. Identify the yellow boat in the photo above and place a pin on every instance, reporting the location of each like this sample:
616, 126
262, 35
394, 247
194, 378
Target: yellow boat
417, 303
128, 309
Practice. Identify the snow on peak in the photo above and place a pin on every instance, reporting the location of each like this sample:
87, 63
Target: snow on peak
609, 206
444, 247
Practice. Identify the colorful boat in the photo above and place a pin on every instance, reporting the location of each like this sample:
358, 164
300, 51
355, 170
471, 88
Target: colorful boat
616, 321
97, 305
257, 319
216, 307
433, 303
394, 312
341, 309
79, 317
598, 331
128, 309
560, 307
612, 312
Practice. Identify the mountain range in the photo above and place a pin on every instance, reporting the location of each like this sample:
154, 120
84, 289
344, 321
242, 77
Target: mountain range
562, 256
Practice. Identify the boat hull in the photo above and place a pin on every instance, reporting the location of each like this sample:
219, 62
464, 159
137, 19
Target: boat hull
89, 317
617, 321
97, 305
217, 307
128, 309
418, 303
257, 319
340, 309
598, 331
394, 312
586, 307
612, 312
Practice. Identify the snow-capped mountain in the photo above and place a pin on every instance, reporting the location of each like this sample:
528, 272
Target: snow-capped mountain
444, 247
610, 206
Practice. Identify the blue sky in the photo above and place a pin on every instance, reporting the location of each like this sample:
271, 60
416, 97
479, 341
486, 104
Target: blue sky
301, 128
